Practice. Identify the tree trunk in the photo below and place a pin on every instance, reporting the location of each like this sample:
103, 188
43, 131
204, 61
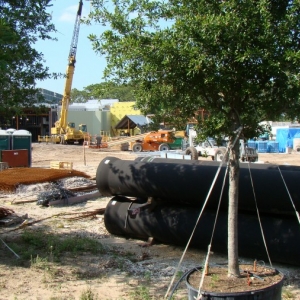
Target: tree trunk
234, 170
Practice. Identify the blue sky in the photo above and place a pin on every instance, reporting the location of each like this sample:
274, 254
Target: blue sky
89, 65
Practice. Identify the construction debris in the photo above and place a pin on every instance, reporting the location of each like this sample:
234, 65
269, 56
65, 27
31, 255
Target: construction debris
77, 216
10, 179
75, 199
4, 212
86, 188
8, 217
11, 220
87, 214
61, 165
57, 193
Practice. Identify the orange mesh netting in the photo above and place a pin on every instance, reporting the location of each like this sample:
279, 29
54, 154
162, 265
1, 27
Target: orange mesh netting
11, 178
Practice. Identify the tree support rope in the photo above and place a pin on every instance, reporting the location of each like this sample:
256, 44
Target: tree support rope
296, 212
200, 214
259, 220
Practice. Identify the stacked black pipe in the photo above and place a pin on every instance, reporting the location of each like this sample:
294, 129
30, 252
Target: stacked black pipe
177, 190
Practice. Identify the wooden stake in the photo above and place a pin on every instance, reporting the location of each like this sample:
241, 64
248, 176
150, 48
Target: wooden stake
206, 269
84, 160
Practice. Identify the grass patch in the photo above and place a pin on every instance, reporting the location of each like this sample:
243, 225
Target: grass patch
88, 295
42, 244
141, 293
287, 294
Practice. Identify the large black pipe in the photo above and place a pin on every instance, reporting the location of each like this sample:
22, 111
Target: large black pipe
173, 224
188, 182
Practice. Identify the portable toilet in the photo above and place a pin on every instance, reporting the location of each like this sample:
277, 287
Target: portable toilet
5, 140
10, 130
21, 139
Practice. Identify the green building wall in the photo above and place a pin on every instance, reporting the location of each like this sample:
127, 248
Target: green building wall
98, 122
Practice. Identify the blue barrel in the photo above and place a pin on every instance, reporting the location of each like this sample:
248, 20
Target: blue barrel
252, 144
262, 147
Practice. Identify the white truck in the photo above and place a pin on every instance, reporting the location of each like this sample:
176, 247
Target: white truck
210, 148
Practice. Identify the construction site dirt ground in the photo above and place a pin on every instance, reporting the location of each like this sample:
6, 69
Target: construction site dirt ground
109, 275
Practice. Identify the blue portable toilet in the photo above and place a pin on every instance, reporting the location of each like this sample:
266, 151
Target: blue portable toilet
21, 139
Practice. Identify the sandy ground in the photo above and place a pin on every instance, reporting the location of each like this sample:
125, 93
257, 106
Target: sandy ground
153, 268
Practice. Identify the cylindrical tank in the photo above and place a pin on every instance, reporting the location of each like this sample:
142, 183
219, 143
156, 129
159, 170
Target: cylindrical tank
296, 144
188, 182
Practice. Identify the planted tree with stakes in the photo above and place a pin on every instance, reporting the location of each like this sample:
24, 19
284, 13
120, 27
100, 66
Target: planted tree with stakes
239, 60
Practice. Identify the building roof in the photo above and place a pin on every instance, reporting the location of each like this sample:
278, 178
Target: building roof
92, 105
132, 121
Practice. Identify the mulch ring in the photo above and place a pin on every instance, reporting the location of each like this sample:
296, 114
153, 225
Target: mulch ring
11, 178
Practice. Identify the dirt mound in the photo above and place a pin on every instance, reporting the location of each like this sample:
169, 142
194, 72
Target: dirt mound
11, 178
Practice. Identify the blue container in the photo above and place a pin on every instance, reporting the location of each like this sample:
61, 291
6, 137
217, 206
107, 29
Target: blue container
252, 144
284, 134
262, 147
273, 147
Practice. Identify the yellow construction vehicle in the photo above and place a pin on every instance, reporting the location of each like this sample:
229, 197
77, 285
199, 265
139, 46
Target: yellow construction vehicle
64, 132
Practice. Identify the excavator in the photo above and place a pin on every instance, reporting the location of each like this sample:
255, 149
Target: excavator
65, 132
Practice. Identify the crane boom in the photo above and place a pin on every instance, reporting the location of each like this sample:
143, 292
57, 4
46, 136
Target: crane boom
61, 126
70, 72
73, 47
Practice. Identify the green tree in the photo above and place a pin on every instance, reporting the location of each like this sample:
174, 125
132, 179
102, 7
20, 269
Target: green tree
22, 23
104, 90
239, 60
79, 96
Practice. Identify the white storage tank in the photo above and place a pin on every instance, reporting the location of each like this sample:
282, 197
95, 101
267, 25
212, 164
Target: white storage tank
296, 144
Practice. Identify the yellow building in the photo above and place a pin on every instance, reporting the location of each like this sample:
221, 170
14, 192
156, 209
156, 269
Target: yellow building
120, 109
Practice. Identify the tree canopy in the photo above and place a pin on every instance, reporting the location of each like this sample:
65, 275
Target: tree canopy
104, 90
228, 57
22, 23
238, 60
